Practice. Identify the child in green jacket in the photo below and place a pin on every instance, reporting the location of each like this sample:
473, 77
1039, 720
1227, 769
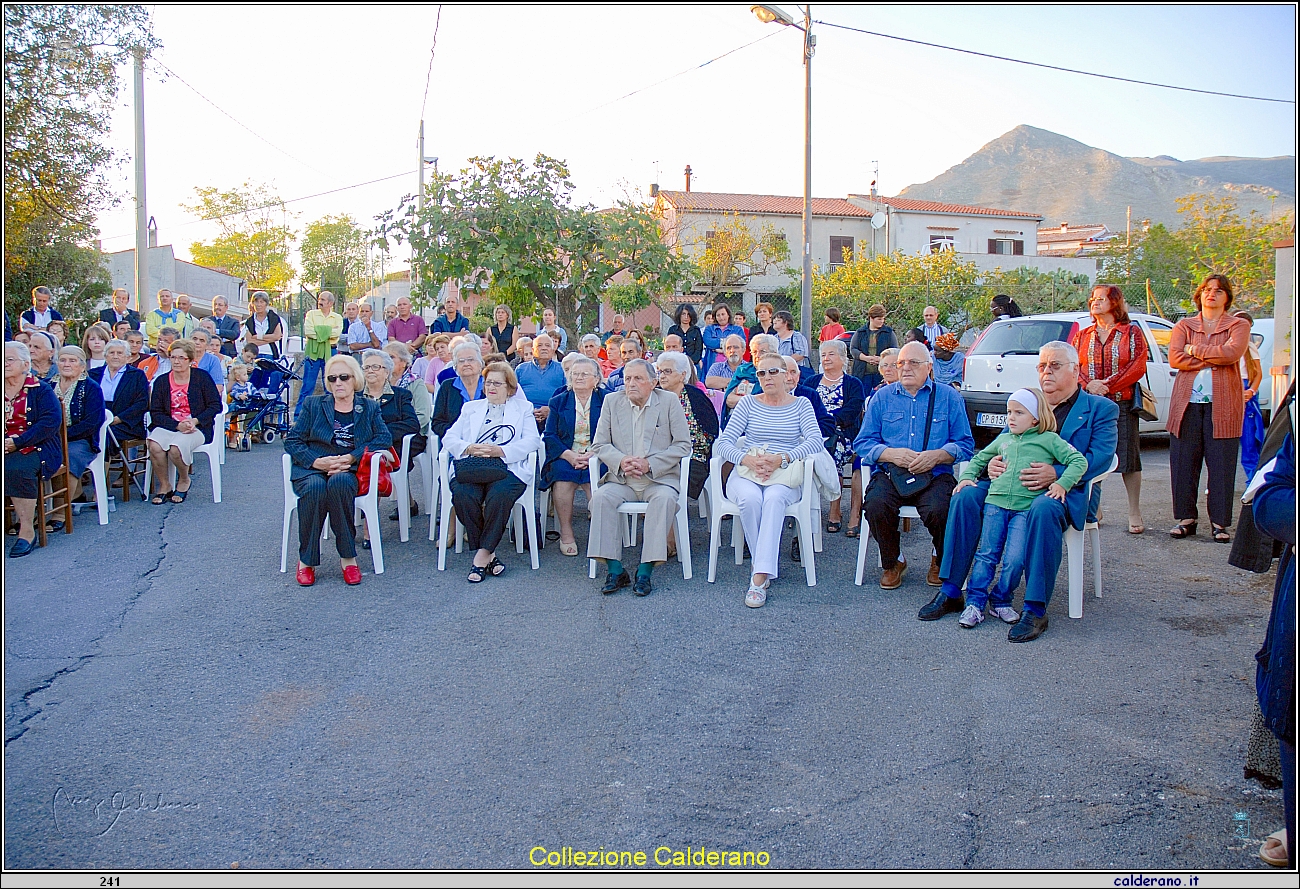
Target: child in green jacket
1030, 438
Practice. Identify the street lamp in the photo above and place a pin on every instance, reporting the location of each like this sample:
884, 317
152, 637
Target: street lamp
769, 15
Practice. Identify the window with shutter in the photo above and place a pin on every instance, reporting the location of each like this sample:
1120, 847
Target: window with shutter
993, 245
841, 250
1019, 248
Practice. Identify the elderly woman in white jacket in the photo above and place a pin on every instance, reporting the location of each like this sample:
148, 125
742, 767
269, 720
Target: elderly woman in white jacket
499, 428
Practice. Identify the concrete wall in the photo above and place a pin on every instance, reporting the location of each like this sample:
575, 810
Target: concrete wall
910, 232
1075, 265
178, 276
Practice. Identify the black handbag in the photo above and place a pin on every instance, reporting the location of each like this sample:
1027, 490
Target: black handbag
1143, 403
905, 482
484, 470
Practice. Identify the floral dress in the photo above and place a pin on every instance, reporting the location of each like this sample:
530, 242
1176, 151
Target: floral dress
832, 396
701, 442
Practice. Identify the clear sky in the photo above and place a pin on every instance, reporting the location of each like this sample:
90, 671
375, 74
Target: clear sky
340, 89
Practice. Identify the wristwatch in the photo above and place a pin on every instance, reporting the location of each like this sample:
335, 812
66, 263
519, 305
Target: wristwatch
785, 461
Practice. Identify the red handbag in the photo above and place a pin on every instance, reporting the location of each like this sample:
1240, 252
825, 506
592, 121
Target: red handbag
385, 474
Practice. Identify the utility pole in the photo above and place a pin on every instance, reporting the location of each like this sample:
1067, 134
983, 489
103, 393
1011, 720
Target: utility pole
805, 303
141, 208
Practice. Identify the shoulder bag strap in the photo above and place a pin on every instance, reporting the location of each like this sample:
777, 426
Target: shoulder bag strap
929, 416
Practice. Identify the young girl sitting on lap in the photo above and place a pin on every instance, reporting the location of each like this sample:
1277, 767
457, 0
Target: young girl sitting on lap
1030, 438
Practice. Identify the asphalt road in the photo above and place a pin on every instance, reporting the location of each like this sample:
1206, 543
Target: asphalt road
173, 701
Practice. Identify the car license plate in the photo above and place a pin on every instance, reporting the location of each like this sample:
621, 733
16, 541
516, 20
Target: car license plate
996, 421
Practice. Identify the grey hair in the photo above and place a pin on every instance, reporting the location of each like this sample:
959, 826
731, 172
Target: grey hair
889, 353
262, 296
641, 363
381, 355
201, 330
75, 351
171, 330
592, 364
20, 349
768, 341
471, 337
468, 349
589, 338
678, 360
398, 349
326, 293
543, 335
924, 350
1061, 348
735, 336
836, 346
116, 342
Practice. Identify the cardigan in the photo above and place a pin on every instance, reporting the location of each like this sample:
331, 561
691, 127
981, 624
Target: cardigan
518, 413
312, 435
1222, 350
85, 413
560, 423
44, 416
1130, 347
130, 401
205, 403
848, 419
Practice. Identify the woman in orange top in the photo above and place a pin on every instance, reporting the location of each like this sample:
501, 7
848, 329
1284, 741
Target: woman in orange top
1206, 407
1112, 359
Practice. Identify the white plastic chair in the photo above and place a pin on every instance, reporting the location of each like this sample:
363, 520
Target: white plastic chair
367, 503
215, 451
543, 497
630, 510
904, 512
1074, 542
524, 503
402, 490
98, 472
800, 511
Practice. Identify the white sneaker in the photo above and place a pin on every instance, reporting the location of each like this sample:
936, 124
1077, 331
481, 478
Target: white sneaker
971, 617
1006, 614
756, 597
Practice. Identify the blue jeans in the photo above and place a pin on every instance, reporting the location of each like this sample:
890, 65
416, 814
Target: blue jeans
1003, 538
311, 370
1046, 527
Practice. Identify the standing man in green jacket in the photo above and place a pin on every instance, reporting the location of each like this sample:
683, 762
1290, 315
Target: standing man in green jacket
321, 329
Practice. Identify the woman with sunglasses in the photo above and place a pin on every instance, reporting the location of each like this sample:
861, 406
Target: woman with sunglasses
326, 444
780, 430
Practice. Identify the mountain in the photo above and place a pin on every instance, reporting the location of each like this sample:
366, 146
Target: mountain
1039, 171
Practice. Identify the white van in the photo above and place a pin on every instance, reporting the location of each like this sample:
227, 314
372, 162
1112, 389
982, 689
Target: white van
1005, 357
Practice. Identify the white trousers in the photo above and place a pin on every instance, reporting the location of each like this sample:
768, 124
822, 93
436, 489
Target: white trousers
762, 514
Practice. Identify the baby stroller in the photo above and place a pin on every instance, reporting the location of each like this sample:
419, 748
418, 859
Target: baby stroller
266, 415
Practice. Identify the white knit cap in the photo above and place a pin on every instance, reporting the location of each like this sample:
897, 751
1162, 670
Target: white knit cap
1026, 399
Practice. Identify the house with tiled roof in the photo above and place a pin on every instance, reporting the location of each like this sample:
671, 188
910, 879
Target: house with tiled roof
1074, 240
843, 227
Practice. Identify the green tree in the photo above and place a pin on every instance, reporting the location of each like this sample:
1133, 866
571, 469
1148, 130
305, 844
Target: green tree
254, 240
61, 86
733, 254
335, 254
509, 220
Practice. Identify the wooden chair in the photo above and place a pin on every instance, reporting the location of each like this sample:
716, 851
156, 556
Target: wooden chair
57, 485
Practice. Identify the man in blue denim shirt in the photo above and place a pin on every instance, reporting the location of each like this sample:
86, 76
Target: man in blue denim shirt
893, 434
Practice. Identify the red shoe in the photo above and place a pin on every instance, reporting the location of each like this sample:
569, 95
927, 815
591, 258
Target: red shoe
352, 574
306, 575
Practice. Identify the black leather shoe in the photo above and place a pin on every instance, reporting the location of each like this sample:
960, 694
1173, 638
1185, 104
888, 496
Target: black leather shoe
614, 583
22, 548
642, 587
795, 555
940, 605
1029, 627
395, 515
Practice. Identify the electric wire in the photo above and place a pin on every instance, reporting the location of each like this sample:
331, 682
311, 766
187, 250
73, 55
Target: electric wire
986, 55
429, 74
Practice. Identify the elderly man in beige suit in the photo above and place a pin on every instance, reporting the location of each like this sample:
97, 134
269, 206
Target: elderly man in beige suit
641, 439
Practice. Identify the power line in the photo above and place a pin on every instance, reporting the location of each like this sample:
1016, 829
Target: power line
429, 74
307, 197
241, 123
971, 52
670, 77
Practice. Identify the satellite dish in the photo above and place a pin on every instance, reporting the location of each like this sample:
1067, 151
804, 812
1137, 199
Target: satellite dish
878, 219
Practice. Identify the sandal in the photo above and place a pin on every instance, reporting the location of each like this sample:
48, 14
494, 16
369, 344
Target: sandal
477, 573
160, 499
1220, 534
569, 549
552, 535
834, 527
496, 567
756, 597
179, 496
853, 533
1273, 852
1136, 529
1179, 531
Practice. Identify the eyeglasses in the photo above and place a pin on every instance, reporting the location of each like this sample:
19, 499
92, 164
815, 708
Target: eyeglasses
912, 363
666, 370
771, 372
373, 367
334, 379
493, 384
580, 375
463, 361
1053, 367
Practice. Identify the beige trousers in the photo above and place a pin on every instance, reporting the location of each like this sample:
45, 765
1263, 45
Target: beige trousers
606, 537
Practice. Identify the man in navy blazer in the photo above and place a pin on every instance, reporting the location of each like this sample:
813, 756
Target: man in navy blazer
1090, 424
